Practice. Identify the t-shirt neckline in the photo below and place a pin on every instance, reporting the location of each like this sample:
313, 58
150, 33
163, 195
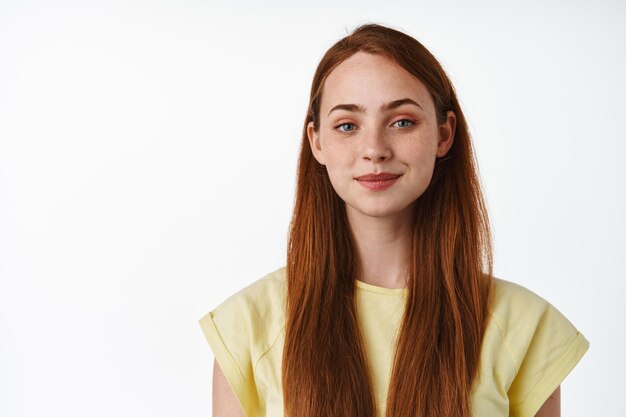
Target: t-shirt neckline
380, 290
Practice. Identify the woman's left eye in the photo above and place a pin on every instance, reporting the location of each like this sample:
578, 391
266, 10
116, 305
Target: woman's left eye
407, 123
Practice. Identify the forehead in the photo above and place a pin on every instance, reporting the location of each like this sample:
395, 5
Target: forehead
371, 80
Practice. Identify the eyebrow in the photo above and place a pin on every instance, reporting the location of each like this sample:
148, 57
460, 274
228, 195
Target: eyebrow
385, 107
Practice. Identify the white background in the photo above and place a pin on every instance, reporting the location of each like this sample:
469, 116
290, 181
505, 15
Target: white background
147, 165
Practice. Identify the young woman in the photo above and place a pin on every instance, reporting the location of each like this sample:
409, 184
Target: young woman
387, 305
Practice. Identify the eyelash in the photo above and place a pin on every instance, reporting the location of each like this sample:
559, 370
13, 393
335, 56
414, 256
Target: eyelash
401, 120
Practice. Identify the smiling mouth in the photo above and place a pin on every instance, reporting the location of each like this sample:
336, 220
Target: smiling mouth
383, 176
378, 184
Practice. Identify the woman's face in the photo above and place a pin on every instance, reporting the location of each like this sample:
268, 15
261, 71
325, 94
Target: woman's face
375, 117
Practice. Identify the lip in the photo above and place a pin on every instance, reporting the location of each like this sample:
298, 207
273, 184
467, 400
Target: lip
378, 182
382, 176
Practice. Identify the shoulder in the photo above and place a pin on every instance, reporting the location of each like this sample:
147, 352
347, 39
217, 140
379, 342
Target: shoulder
241, 329
524, 317
542, 344
515, 313
511, 300
264, 295
257, 310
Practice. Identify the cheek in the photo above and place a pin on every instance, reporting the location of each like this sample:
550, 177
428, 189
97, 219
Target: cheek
418, 153
420, 161
338, 159
337, 173
339, 169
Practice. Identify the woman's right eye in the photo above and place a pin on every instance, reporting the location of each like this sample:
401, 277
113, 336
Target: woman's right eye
345, 124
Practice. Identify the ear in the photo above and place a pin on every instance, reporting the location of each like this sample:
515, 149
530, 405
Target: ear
314, 142
446, 134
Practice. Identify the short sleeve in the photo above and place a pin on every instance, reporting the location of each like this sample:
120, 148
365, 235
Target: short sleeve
548, 348
228, 331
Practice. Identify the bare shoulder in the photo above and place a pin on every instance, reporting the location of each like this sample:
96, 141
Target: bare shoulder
552, 406
225, 404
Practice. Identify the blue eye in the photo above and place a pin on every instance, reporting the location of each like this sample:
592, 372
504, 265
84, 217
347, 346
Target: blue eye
406, 120
345, 124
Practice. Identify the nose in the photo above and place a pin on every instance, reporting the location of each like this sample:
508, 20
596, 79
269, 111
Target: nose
375, 146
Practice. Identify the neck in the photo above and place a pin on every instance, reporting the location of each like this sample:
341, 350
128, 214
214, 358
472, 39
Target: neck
383, 246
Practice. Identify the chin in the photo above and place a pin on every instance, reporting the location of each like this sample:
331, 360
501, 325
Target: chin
380, 210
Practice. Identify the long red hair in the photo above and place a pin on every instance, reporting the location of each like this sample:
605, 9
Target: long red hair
324, 368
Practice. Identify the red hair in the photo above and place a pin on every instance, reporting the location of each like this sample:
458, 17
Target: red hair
324, 369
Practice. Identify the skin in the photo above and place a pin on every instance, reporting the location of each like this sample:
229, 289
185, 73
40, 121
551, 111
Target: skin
225, 403
552, 406
403, 140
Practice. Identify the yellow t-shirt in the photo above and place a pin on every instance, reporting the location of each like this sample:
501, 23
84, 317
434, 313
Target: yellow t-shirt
528, 349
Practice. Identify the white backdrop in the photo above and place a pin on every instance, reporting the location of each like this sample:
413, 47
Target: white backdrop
147, 166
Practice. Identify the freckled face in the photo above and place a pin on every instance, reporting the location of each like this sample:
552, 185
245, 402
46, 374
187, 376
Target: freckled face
375, 117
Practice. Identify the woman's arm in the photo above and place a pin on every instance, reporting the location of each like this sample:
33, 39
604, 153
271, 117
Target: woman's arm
552, 406
225, 404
